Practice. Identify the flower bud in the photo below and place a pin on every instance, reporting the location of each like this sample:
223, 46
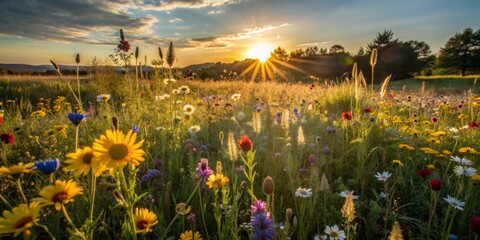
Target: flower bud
288, 214
268, 186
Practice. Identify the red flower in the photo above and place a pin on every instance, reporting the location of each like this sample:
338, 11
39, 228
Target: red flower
347, 115
434, 119
472, 124
7, 138
1, 120
475, 224
424, 172
245, 143
123, 46
435, 184
368, 110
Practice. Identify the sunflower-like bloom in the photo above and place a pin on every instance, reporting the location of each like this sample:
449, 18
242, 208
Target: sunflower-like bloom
216, 180
145, 220
21, 218
16, 171
60, 193
188, 235
116, 150
82, 161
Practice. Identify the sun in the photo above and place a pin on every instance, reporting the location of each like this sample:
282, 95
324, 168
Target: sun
260, 52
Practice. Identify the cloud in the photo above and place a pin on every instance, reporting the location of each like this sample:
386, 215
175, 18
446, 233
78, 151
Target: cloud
313, 44
94, 21
173, 4
174, 20
215, 12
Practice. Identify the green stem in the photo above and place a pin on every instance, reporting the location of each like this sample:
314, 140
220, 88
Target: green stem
46, 230
19, 184
181, 210
76, 137
5, 201
93, 181
129, 204
65, 213
78, 86
202, 211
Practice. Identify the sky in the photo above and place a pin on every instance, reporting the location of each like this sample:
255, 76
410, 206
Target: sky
37, 31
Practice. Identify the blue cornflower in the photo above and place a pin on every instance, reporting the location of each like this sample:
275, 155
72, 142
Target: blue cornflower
203, 148
372, 119
135, 128
47, 166
278, 117
262, 227
151, 173
330, 129
76, 118
452, 236
295, 111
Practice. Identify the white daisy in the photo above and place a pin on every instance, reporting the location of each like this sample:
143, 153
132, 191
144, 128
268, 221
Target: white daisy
103, 97
303, 192
346, 192
188, 109
383, 176
455, 203
236, 96
184, 89
463, 161
459, 170
194, 129
335, 233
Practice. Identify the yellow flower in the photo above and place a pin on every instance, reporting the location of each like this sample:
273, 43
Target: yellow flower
188, 235
467, 150
21, 218
185, 210
60, 193
39, 113
438, 134
428, 150
82, 161
116, 150
49, 132
406, 146
398, 162
476, 178
16, 171
61, 128
433, 140
216, 180
431, 166
446, 152
145, 220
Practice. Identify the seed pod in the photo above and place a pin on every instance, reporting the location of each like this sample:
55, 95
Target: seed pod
373, 57
288, 214
115, 122
160, 53
55, 65
136, 52
77, 58
268, 186
122, 37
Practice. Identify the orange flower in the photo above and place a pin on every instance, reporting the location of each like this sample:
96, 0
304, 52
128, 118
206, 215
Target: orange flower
245, 143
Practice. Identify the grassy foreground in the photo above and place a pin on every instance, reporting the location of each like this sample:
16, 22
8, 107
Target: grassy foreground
169, 159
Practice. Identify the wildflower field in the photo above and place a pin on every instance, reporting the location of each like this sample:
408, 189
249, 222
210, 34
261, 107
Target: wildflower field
117, 156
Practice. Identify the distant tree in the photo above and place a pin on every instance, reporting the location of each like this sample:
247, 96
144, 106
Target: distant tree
360, 52
323, 51
312, 51
461, 51
336, 49
297, 53
170, 55
280, 54
383, 40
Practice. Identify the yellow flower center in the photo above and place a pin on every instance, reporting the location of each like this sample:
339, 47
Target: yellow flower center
333, 234
118, 151
142, 224
22, 222
87, 158
59, 197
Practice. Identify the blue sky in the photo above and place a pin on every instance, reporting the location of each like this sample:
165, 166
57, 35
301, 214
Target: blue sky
35, 31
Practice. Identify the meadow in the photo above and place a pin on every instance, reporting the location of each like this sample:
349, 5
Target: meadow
117, 156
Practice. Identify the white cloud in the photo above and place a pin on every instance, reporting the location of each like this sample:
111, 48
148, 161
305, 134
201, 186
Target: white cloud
174, 20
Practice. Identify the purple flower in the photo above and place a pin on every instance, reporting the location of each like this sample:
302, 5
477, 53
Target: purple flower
330, 129
203, 148
326, 149
263, 227
203, 170
312, 159
151, 173
258, 206
158, 162
135, 128
278, 117
303, 171
295, 111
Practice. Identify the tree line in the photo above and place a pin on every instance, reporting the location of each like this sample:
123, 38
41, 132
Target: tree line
403, 59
